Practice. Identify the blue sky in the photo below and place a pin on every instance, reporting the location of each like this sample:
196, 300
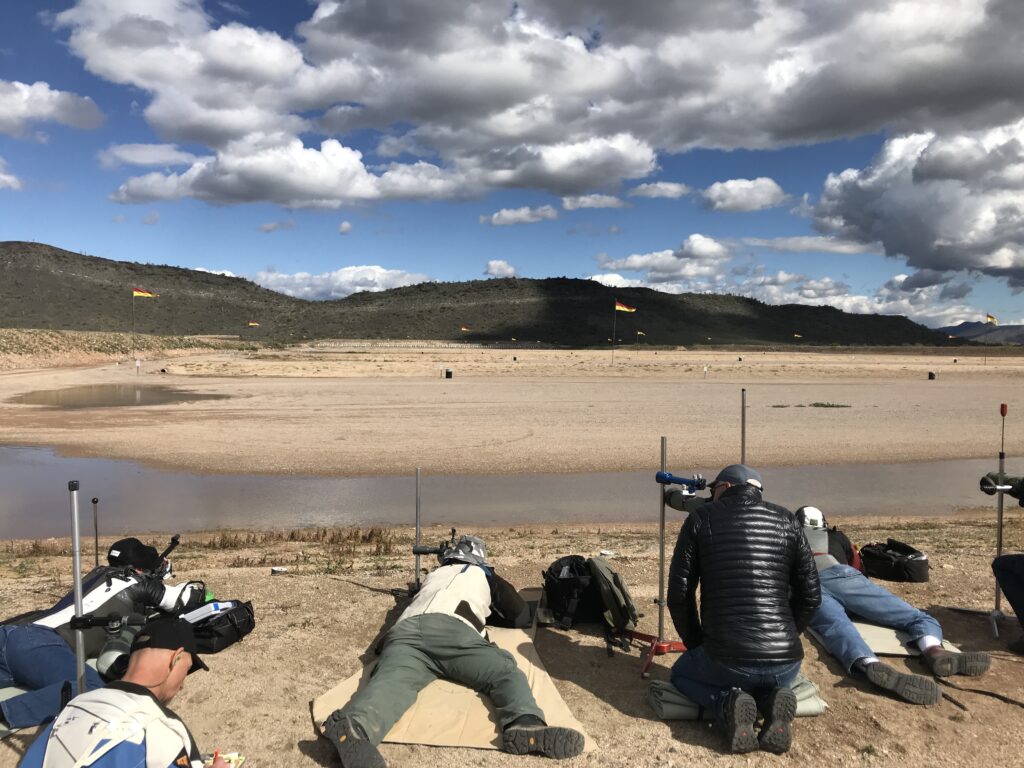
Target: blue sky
868, 156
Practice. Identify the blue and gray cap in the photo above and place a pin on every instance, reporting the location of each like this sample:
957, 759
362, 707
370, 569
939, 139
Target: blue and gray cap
468, 549
739, 474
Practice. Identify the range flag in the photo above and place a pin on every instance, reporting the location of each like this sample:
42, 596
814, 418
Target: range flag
141, 293
640, 333
253, 324
620, 307
991, 320
797, 336
463, 328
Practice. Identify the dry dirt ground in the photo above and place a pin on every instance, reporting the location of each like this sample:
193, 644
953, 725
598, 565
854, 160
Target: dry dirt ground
350, 410
316, 624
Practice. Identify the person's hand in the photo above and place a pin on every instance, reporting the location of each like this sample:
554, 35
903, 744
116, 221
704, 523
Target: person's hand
219, 762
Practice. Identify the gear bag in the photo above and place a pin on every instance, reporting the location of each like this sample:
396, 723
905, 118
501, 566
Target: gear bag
581, 591
894, 561
220, 623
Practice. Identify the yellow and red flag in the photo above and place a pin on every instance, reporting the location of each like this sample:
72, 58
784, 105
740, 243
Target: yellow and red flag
253, 324
142, 293
620, 307
463, 328
991, 320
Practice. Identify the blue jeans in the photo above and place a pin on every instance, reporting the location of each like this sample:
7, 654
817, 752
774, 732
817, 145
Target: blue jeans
706, 681
37, 658
846, 592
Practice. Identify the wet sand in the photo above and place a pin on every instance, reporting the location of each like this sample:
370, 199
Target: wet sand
354, 411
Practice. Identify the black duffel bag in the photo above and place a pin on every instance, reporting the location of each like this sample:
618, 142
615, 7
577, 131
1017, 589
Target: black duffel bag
894, 561
225, 628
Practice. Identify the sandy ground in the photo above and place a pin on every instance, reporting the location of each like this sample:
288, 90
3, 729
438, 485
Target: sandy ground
315, 624
351, 410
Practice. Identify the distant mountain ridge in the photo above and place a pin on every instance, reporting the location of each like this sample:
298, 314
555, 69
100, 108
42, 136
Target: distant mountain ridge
987, 333
47, 287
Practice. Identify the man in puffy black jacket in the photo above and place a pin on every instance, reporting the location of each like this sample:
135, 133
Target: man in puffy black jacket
759, 589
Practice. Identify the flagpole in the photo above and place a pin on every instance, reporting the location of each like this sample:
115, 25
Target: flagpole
615, 320
133, 322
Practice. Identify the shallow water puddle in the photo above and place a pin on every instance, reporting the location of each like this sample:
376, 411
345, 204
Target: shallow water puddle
110, 396
133, 497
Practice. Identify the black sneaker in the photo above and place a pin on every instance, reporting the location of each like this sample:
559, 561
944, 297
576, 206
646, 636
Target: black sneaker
529, 735
777, 734
945, 663
739, 711
916, 689
353, 747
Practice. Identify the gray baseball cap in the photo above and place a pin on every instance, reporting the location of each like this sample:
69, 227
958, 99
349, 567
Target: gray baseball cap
739, 474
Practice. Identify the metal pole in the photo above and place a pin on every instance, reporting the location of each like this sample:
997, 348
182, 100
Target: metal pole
96, 529
417, 527
661, 543
76, 564
615, 320
999, 499
133, 322
743, 426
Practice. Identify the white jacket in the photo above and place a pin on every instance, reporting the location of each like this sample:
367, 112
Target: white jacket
122, 724
449, 586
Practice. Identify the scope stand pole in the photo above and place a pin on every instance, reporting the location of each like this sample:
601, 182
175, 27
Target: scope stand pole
997, 614
658, 645
743, 426
76, 564
416, 581
96, 529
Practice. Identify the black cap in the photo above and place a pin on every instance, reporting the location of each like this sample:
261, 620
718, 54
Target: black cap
739, 474
134, 553
169, 633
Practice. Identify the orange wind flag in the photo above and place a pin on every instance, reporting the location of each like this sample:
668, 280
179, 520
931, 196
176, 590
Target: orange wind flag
141, 293
620, 307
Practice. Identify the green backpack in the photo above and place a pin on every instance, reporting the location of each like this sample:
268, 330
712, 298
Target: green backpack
619, 610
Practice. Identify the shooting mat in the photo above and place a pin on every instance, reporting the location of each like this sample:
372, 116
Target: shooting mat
885, 641
447, 714
6, 693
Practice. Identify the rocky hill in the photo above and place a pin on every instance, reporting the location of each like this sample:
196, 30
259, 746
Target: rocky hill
49, 288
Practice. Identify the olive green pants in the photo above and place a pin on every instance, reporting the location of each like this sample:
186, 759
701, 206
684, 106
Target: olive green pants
421, 649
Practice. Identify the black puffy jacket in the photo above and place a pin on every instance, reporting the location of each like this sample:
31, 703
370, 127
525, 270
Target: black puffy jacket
758, 583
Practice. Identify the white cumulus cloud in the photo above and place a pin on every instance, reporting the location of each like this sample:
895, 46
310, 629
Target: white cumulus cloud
144, 154
744, 194
670, 189
22, 104
345, 227
576, 202
524, 215
942, 202
8, 180
698, 256
812, 244
339, 283
499, 268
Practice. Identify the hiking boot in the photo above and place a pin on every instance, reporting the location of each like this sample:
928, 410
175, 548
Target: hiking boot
942, 663
916, 689
529, 735
739, 711
353, 747
777, 734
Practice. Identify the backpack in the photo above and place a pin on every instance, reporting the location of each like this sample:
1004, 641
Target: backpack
894, 561
568, 592
221, 623
589, 590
